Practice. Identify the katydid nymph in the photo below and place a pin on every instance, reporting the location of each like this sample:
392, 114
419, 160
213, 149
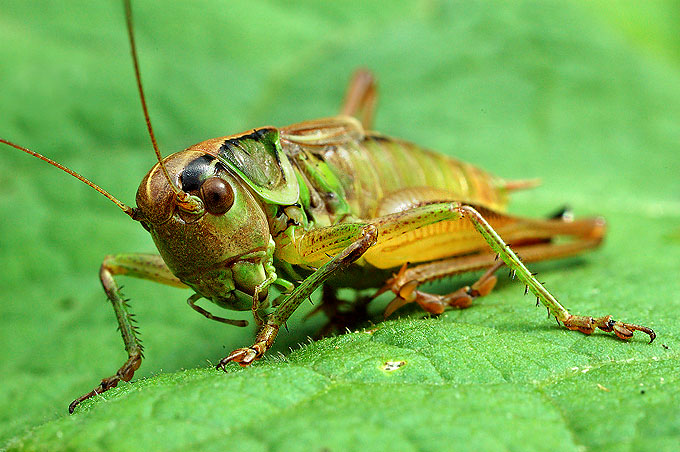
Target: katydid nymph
328, 203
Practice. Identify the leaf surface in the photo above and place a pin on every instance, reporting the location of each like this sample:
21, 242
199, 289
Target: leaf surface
575, 93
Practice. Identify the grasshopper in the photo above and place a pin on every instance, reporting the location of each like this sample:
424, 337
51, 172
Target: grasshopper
327, 203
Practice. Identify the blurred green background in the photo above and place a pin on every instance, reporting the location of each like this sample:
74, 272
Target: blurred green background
584, 95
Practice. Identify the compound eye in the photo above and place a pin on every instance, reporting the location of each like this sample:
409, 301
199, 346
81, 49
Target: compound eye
217, 195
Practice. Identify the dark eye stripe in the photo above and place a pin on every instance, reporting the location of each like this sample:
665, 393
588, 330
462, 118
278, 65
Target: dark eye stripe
196, 172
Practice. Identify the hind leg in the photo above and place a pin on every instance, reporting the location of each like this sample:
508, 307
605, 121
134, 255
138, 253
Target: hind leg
361, 98
405, 283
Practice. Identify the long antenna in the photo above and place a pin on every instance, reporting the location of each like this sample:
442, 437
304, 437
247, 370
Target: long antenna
125, 208
182, 196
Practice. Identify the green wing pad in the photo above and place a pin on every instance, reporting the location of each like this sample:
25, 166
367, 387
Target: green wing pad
258, 158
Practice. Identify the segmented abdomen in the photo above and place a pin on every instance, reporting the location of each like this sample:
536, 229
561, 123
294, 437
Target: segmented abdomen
371, 169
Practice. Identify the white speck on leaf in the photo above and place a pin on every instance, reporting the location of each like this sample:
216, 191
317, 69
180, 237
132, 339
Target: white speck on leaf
391, 366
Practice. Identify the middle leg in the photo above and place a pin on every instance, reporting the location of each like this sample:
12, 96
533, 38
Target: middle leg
450, 214
405, 285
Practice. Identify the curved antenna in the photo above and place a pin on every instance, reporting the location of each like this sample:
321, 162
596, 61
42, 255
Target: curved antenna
125, 208
182, 196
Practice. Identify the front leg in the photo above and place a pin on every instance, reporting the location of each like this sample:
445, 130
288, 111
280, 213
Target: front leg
146, 266
367, 237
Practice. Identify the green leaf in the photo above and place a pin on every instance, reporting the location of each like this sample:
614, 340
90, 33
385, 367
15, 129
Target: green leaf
578, 94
